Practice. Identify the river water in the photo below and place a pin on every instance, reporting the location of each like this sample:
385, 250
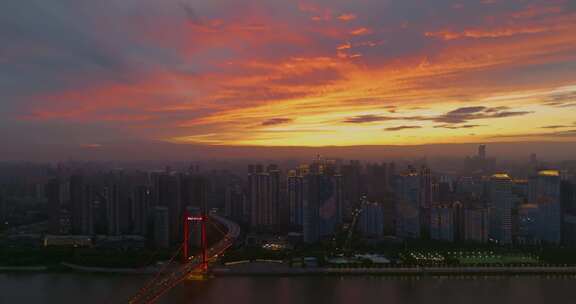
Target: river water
86, 289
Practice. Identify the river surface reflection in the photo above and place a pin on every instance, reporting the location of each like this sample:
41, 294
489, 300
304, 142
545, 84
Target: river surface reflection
85, 289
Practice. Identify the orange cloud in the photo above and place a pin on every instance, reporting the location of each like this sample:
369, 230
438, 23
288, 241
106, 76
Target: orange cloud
344, 46
496, 33
347, 17
360, 31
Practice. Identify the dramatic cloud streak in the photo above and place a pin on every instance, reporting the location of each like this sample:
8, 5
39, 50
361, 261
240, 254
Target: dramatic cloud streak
311, 72
399, 128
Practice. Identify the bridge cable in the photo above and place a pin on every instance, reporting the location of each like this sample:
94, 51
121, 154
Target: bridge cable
157, 275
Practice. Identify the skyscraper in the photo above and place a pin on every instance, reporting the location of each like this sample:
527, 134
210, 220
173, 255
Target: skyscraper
482, 152
141, 207
476, 225
352, 187
273, 213
194, 191
112, 195
408, 205
81, 201
425, 188
442, 223
322, 201
425, 200
372, 219
234, 203
568, 201
480, 164
528, 215
161, 227
264, 196
54, 197
500, 203
295, 193
544, 191
169, 197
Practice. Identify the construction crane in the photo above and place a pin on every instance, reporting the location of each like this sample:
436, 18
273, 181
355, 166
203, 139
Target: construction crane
355, 214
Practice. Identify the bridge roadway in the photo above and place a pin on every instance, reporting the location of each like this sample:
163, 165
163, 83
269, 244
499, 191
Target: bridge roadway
170, 280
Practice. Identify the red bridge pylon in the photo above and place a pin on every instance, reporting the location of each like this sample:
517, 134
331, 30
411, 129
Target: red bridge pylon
203, 242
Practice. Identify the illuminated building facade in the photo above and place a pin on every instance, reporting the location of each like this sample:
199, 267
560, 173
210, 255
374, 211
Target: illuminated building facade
500, 204
544, 191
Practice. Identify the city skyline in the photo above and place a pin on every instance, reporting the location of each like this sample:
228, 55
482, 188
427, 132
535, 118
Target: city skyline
319, 217
88, 76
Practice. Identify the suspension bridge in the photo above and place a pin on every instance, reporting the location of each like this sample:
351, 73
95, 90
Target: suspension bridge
167, 278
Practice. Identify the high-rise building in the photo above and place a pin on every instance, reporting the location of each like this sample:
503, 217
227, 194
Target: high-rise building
442, 223
169, 197
527, 222
112, 195
234, 204
161, 227
480, 164
482, 152
295, 193
81, 202
476, 225
425, 200
544, 191
194, 191
352, 187
568, 201
322, 202
264, 196
273, 213
371, 222
408, 205
444, 193
501, 204
141, 207
54, 197
425, 187
375, 182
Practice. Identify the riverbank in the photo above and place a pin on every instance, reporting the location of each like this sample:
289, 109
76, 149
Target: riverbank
69, 267
129, 271
261, 269
275, 269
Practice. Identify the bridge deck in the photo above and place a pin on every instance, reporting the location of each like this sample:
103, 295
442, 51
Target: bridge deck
168, 281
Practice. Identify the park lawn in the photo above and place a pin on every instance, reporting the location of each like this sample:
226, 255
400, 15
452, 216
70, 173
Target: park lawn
498, 259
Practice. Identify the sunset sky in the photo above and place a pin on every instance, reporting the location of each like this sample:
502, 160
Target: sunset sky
287, 73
